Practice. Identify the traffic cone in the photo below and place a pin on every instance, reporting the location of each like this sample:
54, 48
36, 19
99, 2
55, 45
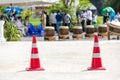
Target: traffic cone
35, 62
96, 60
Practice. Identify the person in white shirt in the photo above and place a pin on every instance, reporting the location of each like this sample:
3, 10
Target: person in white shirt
89, 16
20, 26
53, 19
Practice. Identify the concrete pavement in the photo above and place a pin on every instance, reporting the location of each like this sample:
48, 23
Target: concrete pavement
62, 60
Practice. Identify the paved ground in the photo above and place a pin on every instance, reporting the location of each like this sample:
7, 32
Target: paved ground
62, 60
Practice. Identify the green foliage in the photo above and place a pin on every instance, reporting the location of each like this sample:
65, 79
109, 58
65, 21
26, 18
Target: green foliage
84, 4
5, 17
62, 8
1, 9
114, 4
56, 7
26, 13
11, 32
68, 3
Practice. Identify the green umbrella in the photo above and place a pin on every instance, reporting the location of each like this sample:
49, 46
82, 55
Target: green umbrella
106, 10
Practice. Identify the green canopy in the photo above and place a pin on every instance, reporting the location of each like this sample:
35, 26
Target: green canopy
106, 10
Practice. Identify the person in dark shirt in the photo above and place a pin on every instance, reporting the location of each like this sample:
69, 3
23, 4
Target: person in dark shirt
105, 18
59, 18
47, 19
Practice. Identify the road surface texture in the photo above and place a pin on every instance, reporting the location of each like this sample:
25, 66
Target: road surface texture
62, 60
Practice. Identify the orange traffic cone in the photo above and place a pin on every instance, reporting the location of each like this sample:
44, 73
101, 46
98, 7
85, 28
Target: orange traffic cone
35, 62
96, 60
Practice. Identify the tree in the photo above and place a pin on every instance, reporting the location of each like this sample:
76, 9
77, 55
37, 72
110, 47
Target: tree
1, 9
85, 4
68, 3
115, 4
65, 6
99, 4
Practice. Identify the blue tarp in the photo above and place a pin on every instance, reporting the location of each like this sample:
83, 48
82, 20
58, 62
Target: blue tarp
40, 30
17, 9
32, 30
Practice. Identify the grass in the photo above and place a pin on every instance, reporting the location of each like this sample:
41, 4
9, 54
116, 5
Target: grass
35, 21
99, 20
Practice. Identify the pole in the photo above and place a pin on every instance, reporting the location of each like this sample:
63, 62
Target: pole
2, 39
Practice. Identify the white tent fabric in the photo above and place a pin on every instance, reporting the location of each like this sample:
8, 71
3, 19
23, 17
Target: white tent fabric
26, 2
93, 7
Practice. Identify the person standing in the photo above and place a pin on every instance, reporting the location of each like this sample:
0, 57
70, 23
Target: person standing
53, 19
47, 19
43, 19
83, 19
67, 18
89, 16
59, 18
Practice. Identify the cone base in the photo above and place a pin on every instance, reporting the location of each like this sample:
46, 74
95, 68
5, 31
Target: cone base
98, 68
36, 69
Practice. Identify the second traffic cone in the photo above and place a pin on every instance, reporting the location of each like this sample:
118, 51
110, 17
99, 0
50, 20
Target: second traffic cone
96, 58
35, 61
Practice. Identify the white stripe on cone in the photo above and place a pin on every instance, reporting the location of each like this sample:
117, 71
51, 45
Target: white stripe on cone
34, 45
96, 55
34, 56
96, 44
